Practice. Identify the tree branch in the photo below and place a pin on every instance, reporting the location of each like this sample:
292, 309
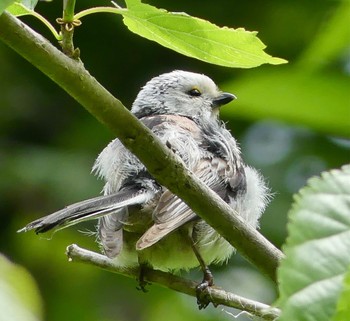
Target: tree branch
165, 167
215, 295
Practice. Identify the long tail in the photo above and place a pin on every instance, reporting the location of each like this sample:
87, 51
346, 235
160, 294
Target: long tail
87, 210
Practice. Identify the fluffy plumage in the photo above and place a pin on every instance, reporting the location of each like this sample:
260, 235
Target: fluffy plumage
142, 221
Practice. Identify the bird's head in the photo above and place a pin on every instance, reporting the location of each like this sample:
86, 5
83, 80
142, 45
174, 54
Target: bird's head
181, 93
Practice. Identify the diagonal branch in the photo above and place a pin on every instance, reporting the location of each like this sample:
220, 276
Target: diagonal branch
215, 295
165, 167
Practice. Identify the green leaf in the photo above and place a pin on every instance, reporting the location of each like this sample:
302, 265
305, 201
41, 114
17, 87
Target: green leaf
197, 38
19, 9
22, 8
30, 4
317, 250
343, 307
19, 295
317, 100
4, 4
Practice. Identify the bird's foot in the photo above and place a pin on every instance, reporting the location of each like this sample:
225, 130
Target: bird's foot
141, 280
202, 294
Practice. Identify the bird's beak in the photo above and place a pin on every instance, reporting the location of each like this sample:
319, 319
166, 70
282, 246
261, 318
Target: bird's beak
223, 99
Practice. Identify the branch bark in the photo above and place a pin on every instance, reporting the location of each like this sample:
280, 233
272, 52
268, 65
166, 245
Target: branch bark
215, 295
165, 167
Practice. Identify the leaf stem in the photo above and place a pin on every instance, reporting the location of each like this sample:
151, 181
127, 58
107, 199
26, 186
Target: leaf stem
68, 10
93, 10
47, 24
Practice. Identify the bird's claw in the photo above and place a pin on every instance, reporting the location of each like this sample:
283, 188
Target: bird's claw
141, 280
202, 294
142, 286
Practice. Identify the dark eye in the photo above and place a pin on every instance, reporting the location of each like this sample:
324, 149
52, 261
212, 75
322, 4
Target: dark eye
195, 92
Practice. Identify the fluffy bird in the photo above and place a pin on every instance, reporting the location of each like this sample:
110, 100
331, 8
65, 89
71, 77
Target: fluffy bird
141, 221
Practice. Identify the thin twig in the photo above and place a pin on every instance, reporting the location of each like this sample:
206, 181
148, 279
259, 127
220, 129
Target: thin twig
216, 295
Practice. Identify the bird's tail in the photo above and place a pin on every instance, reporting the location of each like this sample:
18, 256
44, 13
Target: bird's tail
87, 210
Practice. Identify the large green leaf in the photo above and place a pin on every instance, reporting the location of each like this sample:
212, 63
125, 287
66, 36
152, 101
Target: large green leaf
197, 38
4, 4
317, 249
19, 295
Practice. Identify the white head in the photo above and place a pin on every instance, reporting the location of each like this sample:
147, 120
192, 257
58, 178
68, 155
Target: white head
181, 93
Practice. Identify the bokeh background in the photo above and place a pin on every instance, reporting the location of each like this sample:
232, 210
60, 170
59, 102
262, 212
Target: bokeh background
48, 143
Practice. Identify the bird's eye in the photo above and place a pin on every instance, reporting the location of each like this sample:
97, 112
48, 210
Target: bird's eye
195, 92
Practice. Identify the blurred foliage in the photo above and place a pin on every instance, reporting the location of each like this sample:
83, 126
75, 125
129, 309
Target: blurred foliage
48, 143
319, 231
19, 295
4, 4
313, 94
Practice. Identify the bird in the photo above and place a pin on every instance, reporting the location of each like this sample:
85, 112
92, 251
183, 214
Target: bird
141, 222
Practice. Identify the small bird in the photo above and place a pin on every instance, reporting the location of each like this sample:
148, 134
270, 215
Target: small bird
143, 223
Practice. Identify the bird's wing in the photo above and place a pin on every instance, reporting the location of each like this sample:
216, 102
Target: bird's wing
172, 212
89, 209
179, 214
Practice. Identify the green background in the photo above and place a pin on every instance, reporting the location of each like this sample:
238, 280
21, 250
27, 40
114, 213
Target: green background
48, 144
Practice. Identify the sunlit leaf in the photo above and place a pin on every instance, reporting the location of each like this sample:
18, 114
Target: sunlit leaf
22, 8
19, 296
30, 4
317, 249
4, 4
196, 37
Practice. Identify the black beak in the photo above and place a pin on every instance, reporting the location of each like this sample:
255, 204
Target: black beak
223, 99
